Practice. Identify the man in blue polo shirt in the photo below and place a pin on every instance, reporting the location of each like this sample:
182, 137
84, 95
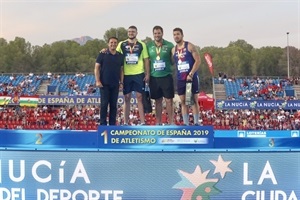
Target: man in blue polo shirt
109, 75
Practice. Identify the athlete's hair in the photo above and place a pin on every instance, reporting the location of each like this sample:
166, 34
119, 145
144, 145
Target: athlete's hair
158, 28
133, 27
112, 38
178, 29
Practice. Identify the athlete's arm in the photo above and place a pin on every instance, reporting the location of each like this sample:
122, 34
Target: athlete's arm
172, 56
147, 69
97, 75
121, 85
146, 61
196, 57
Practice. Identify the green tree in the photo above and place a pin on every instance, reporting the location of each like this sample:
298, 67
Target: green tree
88, 54
266, 61
242, 44
120, 33
18, 56
294, 61
240, 52
147, 39
3, 55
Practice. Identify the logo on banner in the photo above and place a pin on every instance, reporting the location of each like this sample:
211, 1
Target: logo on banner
284, 105
197, 185
294, 133
241, 134
220, 104
253, 104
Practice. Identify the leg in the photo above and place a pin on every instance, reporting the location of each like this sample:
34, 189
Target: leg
104, 92
158, 110
195, 108
181, 86
127, 98
184, 110
169, 104
168, 93
138, 86
140, 107
113, 98
156, 94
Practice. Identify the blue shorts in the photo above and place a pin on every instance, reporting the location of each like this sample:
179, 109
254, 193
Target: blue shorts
133, 83
181, 85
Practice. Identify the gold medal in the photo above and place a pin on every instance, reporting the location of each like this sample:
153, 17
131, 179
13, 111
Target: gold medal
158, 49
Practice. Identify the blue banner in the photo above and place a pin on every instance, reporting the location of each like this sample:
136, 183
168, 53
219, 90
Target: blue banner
74, 100
36, 175
133, 138
256, 134
48, 139
78, 100
257, 139
156, 137
258, 104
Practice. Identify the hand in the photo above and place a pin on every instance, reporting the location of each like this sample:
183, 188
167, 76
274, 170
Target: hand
103, 50
189, 78
99, 84
147, 78
121, 87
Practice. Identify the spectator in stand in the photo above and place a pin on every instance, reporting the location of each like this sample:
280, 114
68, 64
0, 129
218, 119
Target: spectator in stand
11, 78
49, 76
220, 77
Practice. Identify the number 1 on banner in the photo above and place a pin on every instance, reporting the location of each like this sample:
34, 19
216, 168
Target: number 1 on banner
104, 133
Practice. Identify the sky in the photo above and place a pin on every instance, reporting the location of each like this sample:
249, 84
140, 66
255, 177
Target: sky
204, 22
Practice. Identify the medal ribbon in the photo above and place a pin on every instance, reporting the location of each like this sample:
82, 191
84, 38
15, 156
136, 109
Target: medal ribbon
131, 48
179, 53
158, 49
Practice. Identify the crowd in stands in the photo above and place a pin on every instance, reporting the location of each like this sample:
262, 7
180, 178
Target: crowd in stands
19, 84
256, 88
78, 84
252, 119
76, 117
87, 118
74, 84
49, 117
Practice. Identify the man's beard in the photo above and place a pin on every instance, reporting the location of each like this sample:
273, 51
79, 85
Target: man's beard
178, 41
132, 38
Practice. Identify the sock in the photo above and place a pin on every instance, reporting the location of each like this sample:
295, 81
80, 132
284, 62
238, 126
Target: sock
185, 119
196, 118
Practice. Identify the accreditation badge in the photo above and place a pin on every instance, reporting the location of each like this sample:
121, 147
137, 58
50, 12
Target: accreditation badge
131, 59
183, 66
159, 65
